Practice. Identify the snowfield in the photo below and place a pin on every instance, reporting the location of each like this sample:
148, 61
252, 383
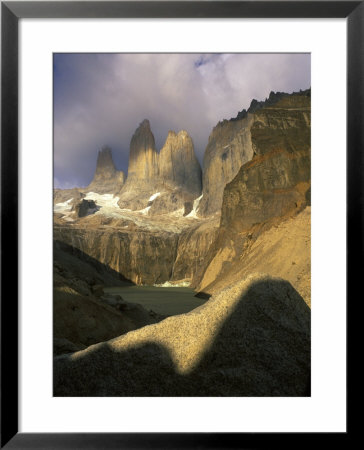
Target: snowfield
196, 204
63, 207
108, 206
103, 200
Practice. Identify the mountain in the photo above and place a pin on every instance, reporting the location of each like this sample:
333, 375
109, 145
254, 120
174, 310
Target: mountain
106, 178
271, 191
281, 123
238, 232
143, 157
178, 165
161, 182
159, 228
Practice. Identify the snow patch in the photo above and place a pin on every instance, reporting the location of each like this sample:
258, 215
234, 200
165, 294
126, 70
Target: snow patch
144, 211
196, 204
103, 200
174, 284
154, 196
64, 206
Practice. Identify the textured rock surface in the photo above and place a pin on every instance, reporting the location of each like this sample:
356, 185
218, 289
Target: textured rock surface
229, 147
85, 207
141, 256
173, 175
281, 248
82, 317
178, 165
106, 179
282, 123
143, 156
272, 187
269, 186
62, 195
193, 246
252, 339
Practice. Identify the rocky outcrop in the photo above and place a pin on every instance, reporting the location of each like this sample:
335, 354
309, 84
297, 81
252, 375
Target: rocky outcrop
106, 179
85, 207
64, 195
143, 157
281, 248
228, 148
162, 182
281, 123
193, 246
273, 187
142, 256
178, 165
269, 186
252, 339
82, 314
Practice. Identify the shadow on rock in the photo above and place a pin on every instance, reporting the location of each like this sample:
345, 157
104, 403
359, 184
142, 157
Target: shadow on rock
251, 339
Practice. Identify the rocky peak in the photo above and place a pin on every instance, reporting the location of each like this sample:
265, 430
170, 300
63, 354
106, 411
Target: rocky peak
106, 179
178, 165
282, 122
273, 98
143, 163
105, 167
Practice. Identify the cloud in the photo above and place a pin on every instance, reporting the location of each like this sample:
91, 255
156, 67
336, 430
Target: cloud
101, 98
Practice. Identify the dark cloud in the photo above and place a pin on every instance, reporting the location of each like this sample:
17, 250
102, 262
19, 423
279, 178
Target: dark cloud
101, 98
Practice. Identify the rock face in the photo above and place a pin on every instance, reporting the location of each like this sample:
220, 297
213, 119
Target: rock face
252, 339
178, 165
273, 187
85, 207
281, 248
193, 246
143, 156
106, 179
63, 195
139, 255
82, 315
144, 256
229, 147
160, 182
281, 123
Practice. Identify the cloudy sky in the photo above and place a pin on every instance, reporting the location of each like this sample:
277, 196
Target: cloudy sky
101, 98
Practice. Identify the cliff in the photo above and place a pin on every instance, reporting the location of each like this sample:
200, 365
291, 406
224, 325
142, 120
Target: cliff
281, 123
160, 182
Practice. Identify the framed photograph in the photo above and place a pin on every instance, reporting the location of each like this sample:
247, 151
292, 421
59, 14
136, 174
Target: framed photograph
163, 282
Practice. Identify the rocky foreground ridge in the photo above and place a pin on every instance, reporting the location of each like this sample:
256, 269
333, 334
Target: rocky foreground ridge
251, 339
247, 212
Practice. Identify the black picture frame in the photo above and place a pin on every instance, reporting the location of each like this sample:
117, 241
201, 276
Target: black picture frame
11, 12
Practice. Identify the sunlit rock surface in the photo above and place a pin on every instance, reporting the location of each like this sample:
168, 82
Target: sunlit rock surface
280, 124
252, 339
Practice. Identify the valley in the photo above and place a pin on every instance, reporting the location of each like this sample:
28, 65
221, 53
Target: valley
176, 279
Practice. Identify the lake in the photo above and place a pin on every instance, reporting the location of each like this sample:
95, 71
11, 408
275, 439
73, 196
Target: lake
167, 300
